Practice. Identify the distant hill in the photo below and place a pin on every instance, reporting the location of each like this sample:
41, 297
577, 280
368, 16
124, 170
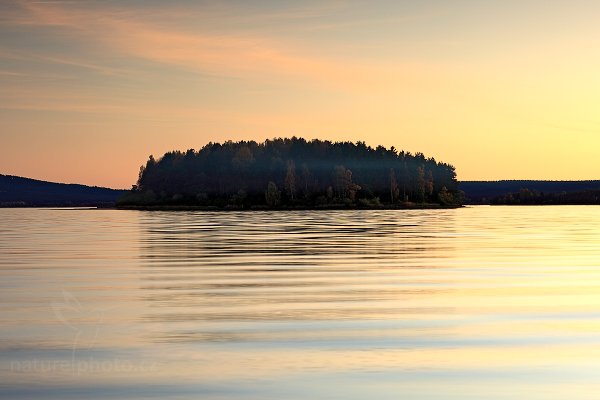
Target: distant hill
16, 191
484, 191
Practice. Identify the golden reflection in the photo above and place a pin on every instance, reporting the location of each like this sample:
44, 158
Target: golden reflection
406, 302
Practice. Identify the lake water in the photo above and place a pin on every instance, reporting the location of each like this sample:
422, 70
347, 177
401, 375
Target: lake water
473, 303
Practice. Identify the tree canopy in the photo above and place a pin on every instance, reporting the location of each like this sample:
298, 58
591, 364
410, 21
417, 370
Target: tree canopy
293, 172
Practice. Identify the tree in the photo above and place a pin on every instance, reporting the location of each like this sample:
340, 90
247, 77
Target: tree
420, 189
329, 193
305, 179
404, 178
394, 191
290, 180
272, 195
344, 187
525, 196
429, 184
243, 157
445, 197
239, 198
352, 187
339, 181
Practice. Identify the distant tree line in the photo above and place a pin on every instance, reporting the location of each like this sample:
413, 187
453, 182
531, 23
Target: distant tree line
534, 197
483, 192
293, 172
16, 191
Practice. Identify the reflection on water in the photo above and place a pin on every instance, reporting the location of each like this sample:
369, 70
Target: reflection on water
481, 302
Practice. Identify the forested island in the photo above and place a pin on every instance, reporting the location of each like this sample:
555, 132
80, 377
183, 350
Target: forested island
293, 173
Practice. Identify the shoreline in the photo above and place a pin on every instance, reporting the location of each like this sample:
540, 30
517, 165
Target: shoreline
426, 206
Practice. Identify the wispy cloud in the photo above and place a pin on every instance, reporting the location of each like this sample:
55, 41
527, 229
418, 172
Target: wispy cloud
12, 73
239, 55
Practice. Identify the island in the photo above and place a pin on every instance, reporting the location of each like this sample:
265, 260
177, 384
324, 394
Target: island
293, 173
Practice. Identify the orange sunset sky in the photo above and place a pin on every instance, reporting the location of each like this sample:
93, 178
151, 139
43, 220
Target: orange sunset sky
500, 89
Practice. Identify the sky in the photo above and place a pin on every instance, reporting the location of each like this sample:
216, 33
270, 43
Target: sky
500, 89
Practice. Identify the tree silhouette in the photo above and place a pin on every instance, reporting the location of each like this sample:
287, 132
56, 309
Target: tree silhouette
272, 195
247, 173
290, 180
394, 191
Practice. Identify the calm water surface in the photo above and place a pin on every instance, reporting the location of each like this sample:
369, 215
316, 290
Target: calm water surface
481, 302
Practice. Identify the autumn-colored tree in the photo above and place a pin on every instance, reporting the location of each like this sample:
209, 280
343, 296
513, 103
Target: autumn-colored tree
344, 187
